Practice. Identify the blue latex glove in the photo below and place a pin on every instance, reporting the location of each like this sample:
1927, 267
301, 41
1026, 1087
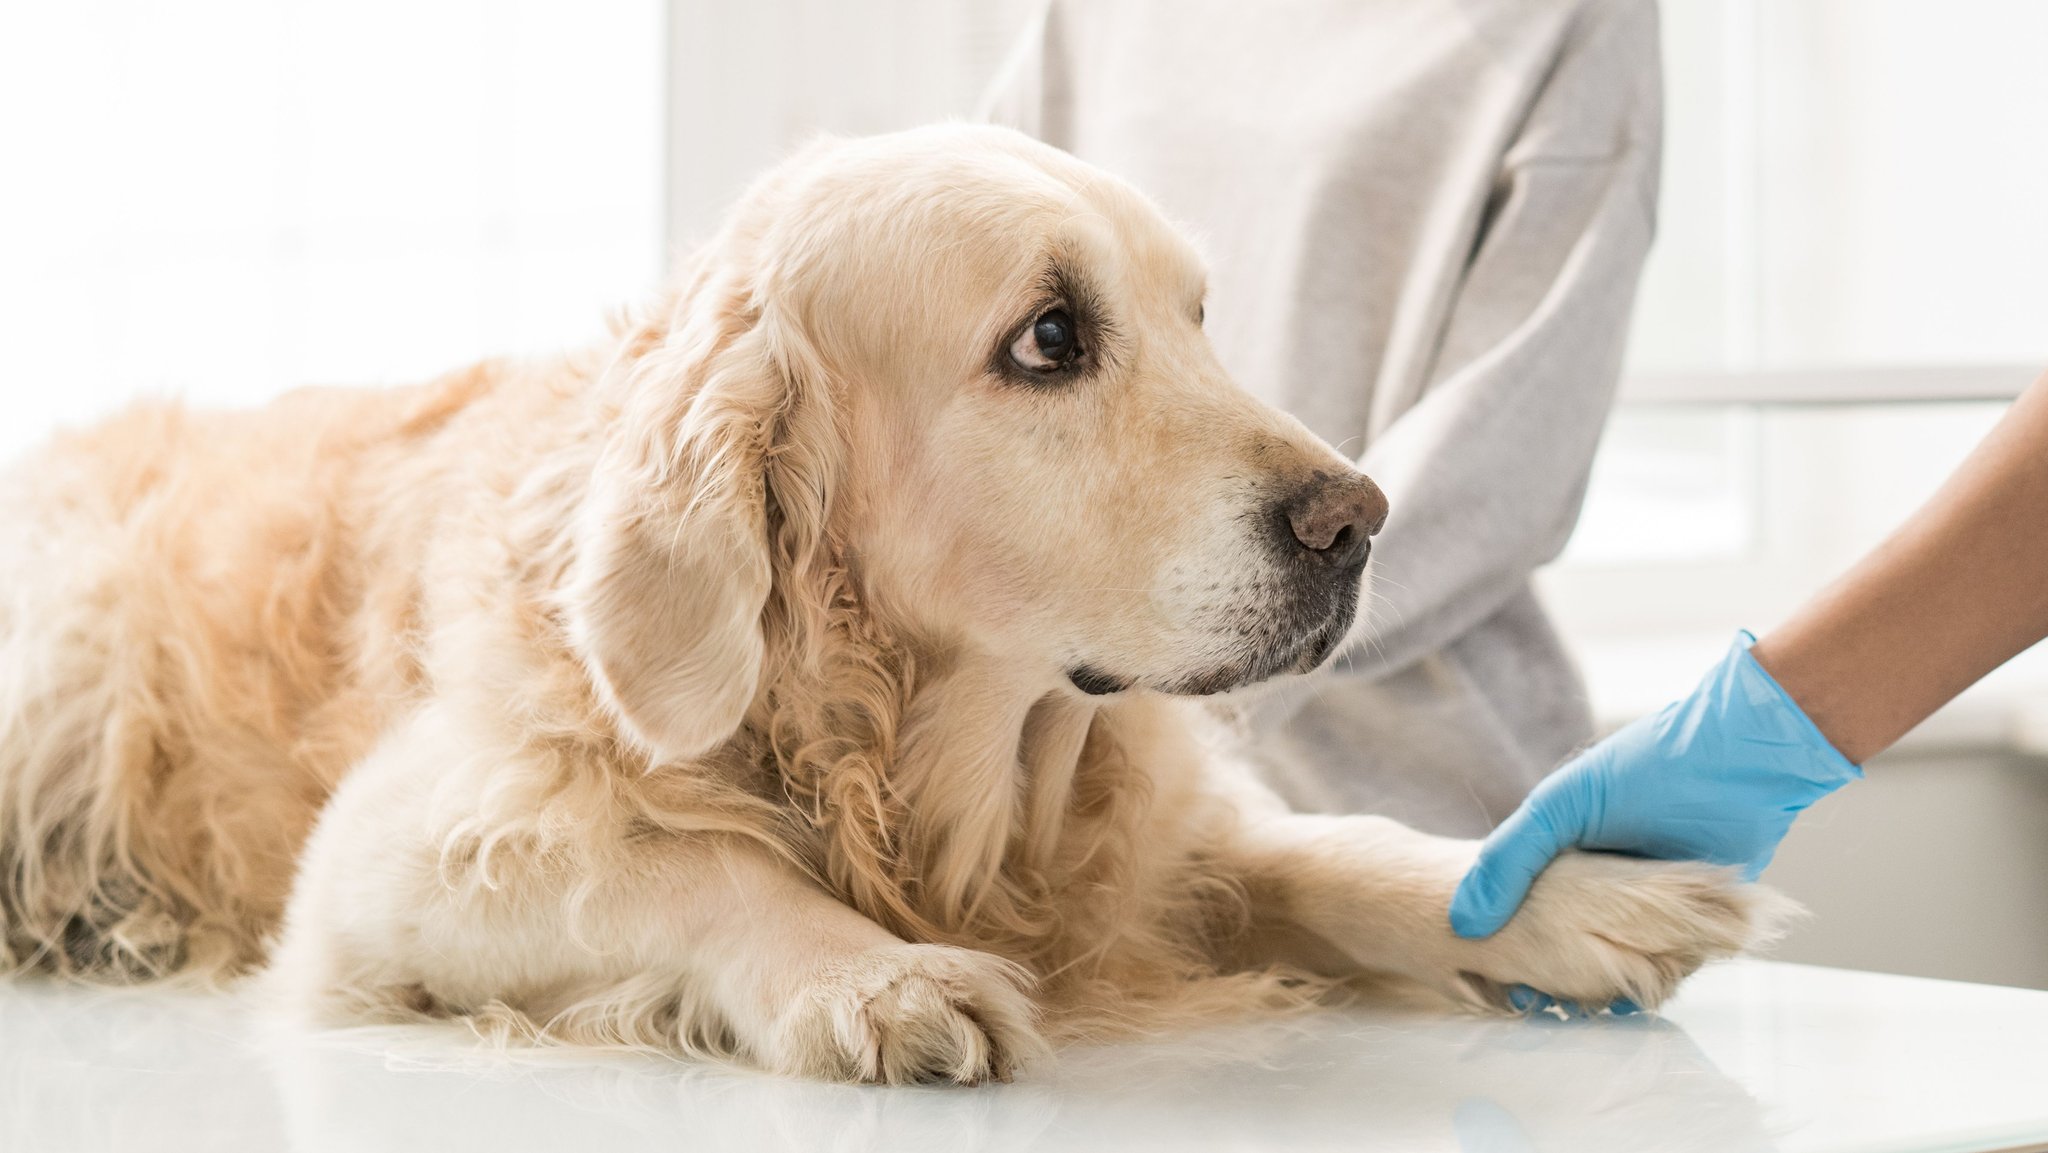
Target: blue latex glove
1717, 776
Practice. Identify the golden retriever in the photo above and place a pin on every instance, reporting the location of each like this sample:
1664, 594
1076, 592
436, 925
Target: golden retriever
798, 678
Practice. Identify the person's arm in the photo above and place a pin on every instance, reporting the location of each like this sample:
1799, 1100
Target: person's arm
1954, 593
1487, 470
1720, 775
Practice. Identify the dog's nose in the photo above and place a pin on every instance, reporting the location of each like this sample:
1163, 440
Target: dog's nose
1335, 517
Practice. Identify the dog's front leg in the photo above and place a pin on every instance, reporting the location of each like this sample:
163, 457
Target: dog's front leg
803, 983
1343, 894
613, 934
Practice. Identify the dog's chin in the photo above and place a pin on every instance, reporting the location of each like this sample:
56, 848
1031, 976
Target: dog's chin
1304, 654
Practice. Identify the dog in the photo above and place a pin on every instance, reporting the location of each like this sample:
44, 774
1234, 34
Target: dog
808, 675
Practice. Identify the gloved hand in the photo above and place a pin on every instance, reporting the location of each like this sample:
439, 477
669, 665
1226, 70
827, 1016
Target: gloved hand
1717, 776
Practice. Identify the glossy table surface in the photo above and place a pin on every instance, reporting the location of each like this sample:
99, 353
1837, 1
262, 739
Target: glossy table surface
1752, 1056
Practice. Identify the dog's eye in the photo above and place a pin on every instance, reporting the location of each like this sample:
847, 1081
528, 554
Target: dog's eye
1050, 344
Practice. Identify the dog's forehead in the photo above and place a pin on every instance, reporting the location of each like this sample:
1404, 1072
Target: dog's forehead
1081, 216
993, 205
1120, 226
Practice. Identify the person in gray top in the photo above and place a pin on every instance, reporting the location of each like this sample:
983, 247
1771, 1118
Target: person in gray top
1426, 224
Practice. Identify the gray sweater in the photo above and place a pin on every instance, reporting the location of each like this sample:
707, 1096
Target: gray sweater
1425, 223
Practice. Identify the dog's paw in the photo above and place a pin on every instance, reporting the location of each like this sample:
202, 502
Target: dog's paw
1598, 927
912, 1014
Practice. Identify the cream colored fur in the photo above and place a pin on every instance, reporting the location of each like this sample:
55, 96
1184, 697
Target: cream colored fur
709, 690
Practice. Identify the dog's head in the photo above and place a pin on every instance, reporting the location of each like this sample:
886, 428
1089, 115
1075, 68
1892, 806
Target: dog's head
976, 367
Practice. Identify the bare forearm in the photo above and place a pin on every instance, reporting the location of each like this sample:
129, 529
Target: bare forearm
1952, 594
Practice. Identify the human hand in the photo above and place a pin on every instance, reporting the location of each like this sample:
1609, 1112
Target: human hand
1717, 776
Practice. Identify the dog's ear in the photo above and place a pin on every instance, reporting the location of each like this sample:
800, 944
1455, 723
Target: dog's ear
673, 562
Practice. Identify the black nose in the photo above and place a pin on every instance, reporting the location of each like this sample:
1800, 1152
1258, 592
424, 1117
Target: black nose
1334, 517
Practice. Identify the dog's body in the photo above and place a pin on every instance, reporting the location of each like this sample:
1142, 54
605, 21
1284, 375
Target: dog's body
789, 679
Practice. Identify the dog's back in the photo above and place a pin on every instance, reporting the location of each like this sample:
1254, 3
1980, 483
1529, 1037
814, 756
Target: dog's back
192, 651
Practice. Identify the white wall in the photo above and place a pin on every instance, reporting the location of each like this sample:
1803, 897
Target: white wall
222, 199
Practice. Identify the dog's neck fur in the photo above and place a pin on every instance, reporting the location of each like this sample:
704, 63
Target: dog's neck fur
985, 766
948, 825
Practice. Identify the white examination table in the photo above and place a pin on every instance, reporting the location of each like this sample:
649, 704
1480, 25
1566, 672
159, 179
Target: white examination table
1753, 1056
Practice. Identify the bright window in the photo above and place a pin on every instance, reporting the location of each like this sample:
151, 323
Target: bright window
1851, 211
1849, 183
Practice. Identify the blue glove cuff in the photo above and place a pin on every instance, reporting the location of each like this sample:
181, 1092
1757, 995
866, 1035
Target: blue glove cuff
1778, 718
